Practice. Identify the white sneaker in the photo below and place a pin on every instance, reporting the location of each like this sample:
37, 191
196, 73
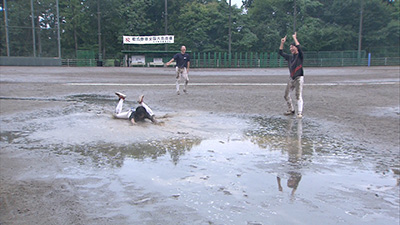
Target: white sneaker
120, 95
299, 116
141, 99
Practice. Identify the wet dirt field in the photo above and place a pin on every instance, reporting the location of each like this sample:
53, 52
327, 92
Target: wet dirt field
221, 154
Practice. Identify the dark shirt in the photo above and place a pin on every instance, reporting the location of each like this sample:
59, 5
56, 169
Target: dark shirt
181, 59
295, 62
140, 114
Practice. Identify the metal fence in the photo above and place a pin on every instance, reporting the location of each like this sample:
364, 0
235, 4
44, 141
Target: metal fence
272, 60
258, 60
79, 62
257, 63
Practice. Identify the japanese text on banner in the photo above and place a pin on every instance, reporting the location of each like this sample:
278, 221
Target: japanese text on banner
160, 39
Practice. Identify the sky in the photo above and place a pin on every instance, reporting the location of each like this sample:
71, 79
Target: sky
237, 2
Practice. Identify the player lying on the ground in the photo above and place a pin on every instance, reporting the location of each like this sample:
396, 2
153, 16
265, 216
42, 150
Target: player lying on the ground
141, 113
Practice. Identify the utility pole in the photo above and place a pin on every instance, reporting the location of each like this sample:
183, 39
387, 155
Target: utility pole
6, 26
230, 30
360, 31
58, 29
166, 21
100, 62
33, 29
294, 17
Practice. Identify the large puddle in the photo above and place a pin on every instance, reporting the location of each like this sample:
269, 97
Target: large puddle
205, 168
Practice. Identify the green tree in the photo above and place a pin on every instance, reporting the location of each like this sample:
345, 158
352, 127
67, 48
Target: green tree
76, 31
46, 28
381, 30
20, 29
203, 26
270, 20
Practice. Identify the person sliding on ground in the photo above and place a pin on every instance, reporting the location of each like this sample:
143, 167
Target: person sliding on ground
139, 114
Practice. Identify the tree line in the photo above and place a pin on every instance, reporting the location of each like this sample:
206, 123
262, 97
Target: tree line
201, 25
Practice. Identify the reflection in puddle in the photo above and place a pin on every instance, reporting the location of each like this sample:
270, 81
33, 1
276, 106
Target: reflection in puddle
386, 112
92, 98
104, 154
220, 169
284, 136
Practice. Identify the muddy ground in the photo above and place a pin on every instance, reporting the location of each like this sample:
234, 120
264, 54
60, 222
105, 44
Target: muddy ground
222, 154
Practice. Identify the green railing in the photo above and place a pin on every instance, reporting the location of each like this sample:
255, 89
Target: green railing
250, 59
272, 60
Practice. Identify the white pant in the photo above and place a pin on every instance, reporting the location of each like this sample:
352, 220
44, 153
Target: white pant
298, 85
181, 72
125, 115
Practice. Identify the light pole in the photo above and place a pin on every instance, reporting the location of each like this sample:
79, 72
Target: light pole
58, 30
33, 29
230, 30
360, 31
166, 21
100, 62
6, 26
294, 17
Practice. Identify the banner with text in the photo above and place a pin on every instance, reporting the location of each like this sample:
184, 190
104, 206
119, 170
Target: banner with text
160, 39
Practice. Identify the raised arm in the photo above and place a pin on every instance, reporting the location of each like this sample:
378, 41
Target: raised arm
295, 39
281, 53
297, 43
283, 40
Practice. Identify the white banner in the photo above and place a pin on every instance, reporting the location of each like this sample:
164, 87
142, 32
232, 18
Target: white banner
160, 39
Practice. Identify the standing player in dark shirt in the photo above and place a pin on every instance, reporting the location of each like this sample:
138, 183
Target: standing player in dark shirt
296, 79
182, 68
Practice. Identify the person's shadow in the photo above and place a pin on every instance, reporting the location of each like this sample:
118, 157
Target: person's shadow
295, 153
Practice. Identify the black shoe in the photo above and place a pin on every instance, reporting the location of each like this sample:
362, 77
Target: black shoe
288, 113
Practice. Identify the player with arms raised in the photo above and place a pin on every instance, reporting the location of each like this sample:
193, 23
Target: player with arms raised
296, 79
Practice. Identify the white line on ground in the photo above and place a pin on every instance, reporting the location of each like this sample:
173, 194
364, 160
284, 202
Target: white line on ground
238, 84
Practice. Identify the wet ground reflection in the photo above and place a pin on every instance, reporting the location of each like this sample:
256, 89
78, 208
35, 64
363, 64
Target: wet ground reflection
217, 169
104, 154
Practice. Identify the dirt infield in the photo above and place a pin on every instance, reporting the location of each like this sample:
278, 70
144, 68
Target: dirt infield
64, 160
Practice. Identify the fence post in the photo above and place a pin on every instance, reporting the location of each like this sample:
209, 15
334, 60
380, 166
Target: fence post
198, 59
204, 60
225, 64
209, 59
215, 59
235, 61
230, 59
193, 60
219, 59
271, 57
369, 59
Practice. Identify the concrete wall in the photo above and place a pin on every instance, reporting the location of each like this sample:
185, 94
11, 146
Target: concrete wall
29, 61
